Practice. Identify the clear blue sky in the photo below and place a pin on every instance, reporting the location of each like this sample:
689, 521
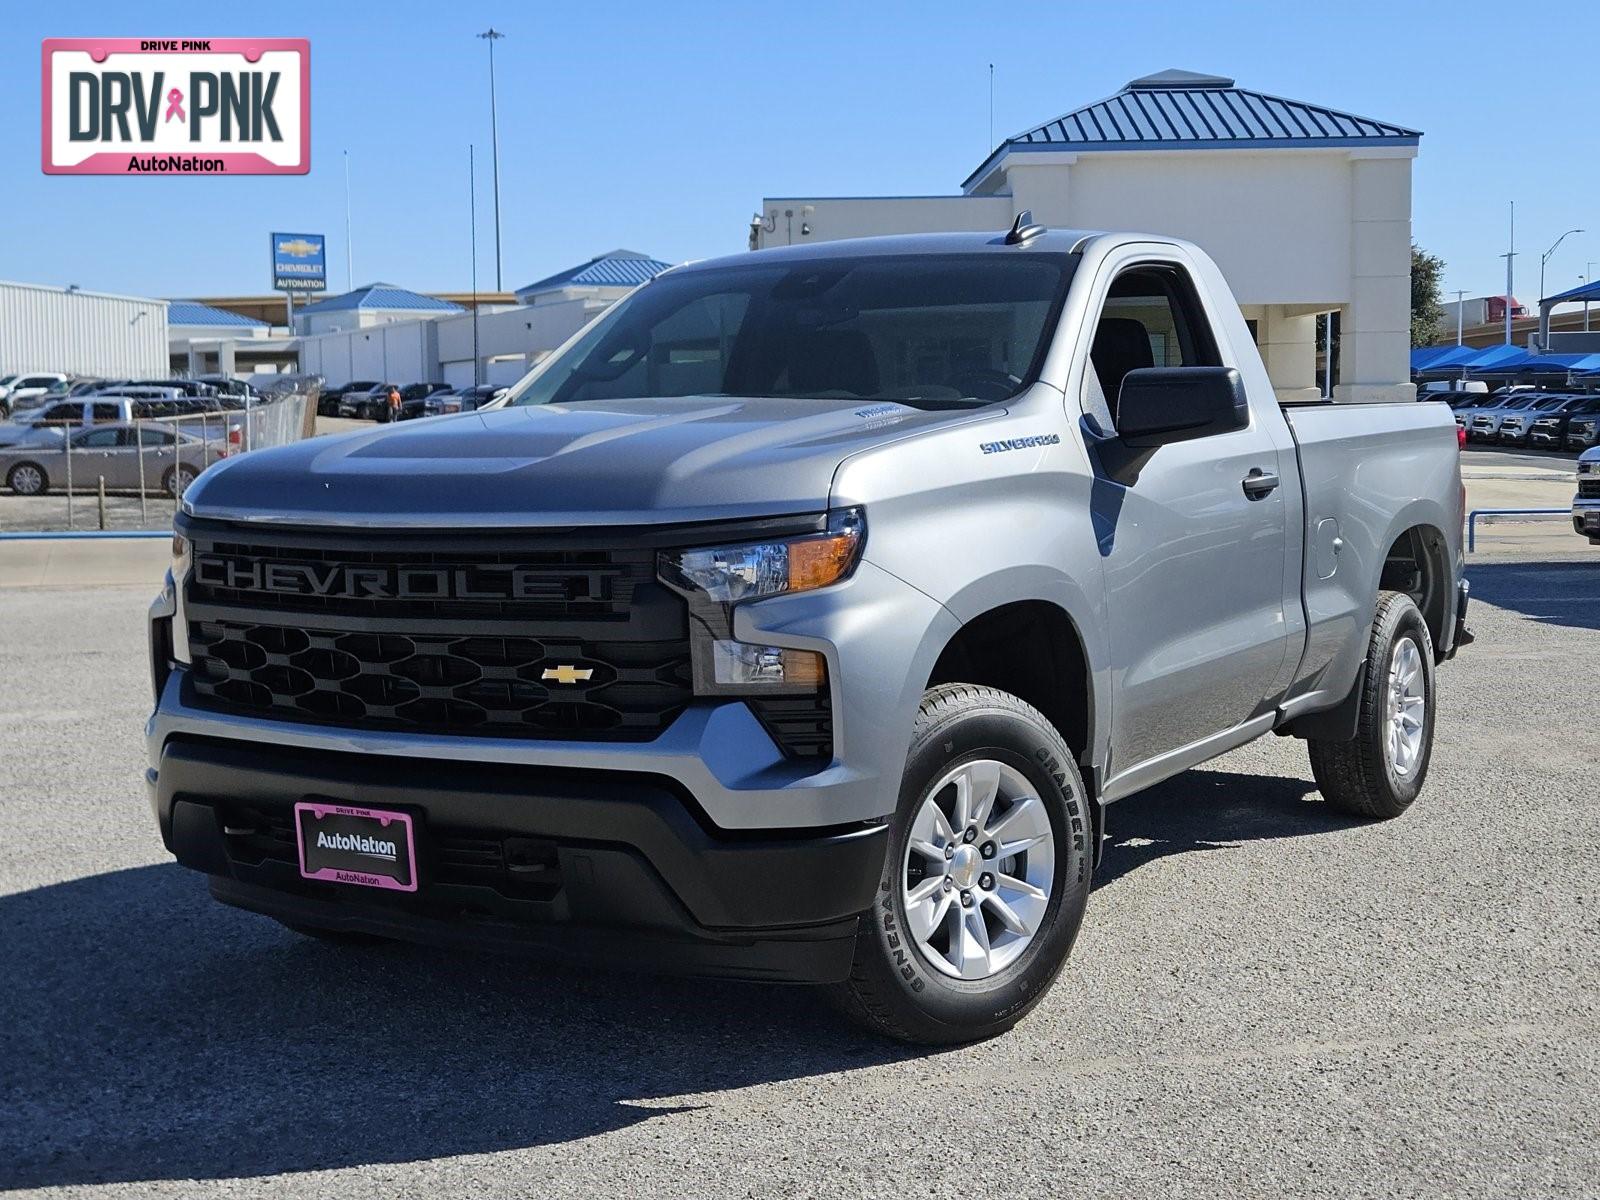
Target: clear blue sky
659, 127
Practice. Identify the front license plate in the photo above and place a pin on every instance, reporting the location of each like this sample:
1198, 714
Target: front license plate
367, 847
1591, 520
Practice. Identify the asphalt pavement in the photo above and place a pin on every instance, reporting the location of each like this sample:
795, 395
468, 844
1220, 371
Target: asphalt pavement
1268, 999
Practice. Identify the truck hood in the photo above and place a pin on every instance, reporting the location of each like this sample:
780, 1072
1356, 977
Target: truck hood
619, 462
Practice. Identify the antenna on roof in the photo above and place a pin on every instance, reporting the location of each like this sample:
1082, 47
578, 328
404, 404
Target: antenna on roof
1023, 228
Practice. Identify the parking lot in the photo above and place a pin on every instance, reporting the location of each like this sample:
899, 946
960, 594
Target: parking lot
1266, 997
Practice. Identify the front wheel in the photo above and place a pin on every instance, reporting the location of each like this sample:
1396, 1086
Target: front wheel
1381, 770
986, 876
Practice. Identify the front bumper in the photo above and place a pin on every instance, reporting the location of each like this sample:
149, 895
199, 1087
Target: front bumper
622, 870
1586, 519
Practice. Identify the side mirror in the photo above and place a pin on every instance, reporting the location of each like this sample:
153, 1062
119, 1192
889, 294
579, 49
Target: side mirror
1160, 405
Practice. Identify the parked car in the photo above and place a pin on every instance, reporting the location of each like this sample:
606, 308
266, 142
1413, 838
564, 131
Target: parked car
468, 399
231, 393
172, 459
1515, 426
23, 388
798, 628
1583, 430
367, 404
135, 404
413, 396
1485, 423
1549, 428
328, 401
189, 387
1586, 504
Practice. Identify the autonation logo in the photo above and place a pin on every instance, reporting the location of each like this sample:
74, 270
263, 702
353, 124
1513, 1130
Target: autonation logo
358, 843
161, 106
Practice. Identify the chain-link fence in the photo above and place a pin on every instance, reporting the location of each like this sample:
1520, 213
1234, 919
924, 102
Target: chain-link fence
132, 473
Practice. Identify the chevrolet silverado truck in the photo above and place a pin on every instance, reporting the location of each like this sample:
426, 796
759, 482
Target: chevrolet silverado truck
801, 620
1586, 503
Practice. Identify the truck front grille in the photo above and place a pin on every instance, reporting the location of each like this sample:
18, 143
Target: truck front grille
458, 634
441, 684
1589, 489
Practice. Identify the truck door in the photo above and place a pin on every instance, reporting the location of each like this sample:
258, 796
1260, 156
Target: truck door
1193, 547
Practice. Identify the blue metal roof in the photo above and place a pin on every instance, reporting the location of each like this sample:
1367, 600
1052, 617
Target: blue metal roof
382, 295
192, 312
1180, 110
616, 268
1584, 291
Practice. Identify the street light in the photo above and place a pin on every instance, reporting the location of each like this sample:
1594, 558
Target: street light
1545, 257
1461, 308
493, 35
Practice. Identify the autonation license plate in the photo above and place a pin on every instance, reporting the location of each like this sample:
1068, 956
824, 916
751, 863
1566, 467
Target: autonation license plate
1591, 520
368, 847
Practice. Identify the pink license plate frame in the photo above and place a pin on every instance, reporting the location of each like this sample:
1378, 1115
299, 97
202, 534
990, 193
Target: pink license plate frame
319, 810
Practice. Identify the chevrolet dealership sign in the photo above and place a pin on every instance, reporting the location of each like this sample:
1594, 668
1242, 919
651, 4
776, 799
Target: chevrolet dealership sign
209, 106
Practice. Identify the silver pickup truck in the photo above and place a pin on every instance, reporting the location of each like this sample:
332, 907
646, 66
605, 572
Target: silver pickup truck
801, 620
1586, 503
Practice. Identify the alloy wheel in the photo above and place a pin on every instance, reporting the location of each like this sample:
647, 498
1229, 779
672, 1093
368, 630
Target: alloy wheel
1407, 707
978, 869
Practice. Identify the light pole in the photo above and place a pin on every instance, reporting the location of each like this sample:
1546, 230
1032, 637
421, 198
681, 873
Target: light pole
1460, 310
472, 210
1509, 255
493, 35
1544, 258
349, 254
1588, 278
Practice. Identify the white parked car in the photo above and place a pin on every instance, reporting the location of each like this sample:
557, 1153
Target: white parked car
23, 389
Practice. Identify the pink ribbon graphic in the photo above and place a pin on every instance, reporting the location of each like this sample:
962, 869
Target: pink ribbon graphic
175, 106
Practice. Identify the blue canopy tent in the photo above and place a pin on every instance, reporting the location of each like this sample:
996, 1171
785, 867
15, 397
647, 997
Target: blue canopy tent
1444, 361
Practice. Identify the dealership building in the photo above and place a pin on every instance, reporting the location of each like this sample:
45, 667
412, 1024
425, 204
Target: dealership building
1306, 209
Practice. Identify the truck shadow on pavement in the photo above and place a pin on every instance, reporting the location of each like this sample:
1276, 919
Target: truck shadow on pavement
1551, 593
151, 1034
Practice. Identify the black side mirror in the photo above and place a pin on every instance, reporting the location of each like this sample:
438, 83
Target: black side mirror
1161, 405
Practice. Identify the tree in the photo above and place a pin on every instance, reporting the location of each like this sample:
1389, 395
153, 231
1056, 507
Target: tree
1426, 309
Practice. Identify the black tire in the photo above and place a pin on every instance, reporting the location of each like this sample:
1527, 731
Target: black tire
169, 479
1359, 776
21, 473
337, 937
893, 988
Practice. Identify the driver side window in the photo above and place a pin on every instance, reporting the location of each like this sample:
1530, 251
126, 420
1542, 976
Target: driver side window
1152, 317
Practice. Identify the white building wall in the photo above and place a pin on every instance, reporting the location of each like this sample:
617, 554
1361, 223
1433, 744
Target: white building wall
510, 341
81, 333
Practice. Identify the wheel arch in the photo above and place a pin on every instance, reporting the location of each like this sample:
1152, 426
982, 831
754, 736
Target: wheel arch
1417, 562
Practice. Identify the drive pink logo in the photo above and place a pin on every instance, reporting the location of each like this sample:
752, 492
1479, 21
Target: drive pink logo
148, 106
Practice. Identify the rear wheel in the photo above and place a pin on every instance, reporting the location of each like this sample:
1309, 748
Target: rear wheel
28, 479
986, 877
1380, 771
177, 479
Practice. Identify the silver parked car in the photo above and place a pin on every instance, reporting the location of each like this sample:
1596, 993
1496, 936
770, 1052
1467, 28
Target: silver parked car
171, 459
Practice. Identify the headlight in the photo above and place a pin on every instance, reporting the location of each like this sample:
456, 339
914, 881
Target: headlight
180, 557
729, 574
716, 578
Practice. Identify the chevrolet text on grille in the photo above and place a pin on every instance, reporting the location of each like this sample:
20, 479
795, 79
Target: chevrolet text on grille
484, 582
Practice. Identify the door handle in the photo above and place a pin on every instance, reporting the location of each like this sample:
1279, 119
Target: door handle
1259, 483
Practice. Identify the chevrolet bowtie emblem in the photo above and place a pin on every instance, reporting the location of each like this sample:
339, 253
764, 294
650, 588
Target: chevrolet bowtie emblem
567, 673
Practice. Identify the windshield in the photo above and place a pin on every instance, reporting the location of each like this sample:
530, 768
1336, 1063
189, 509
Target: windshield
926, 330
